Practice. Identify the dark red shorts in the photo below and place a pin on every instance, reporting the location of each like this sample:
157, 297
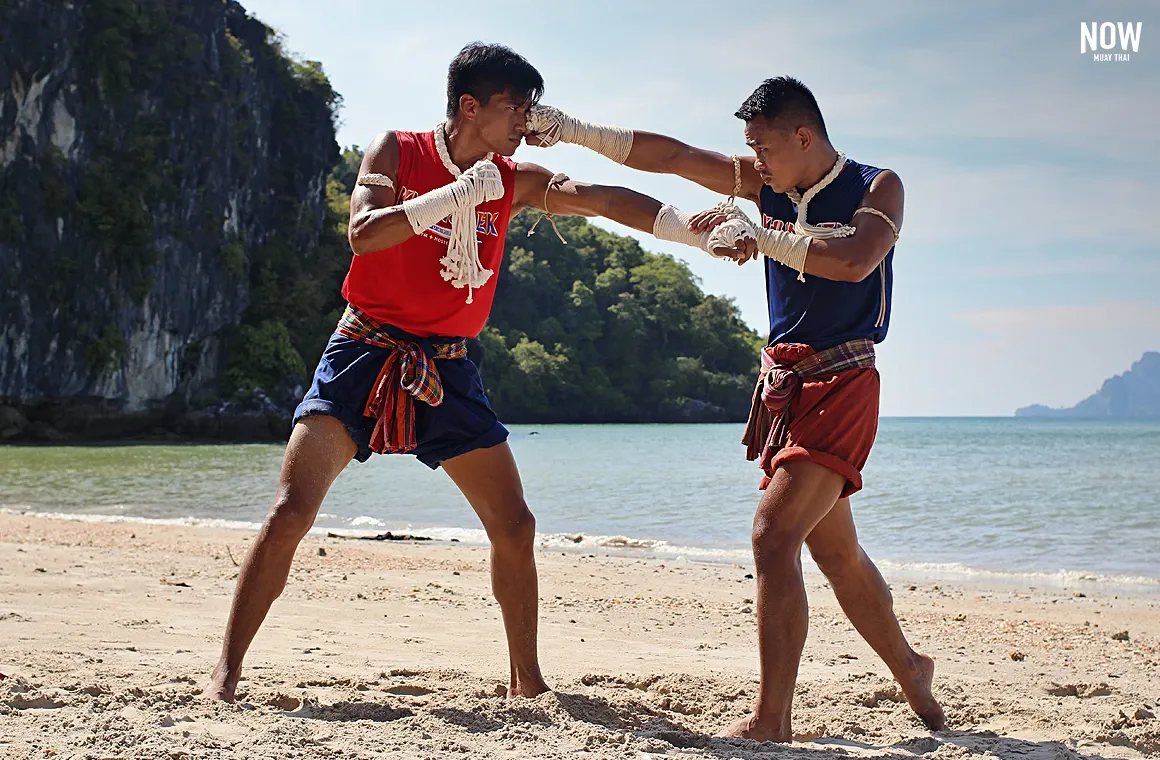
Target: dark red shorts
834, 422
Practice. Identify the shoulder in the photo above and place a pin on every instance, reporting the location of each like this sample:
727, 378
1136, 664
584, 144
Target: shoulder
876, 176
384, 148
527, 170
531, 182
885, 193
885, 181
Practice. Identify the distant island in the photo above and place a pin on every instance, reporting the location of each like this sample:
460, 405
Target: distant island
1132, 395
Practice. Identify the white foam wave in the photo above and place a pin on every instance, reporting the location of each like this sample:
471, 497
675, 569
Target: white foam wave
362, 520
641, 546
187, 522
613, 545
1063, 577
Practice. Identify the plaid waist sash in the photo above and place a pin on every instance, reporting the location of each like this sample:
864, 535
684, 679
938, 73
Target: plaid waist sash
783, 369
407, 374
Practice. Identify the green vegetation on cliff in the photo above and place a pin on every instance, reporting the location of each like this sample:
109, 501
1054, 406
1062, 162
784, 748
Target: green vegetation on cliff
294, 299
162, 157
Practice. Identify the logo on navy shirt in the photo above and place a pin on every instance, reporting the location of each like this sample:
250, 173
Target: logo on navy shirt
769, 223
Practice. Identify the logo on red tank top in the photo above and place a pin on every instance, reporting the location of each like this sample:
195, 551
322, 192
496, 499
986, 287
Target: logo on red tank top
485, 222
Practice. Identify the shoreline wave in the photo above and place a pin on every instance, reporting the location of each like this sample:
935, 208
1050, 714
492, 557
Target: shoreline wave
620, 546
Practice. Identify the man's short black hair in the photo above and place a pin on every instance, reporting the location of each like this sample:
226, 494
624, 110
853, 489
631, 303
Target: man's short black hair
786, 101
484, 70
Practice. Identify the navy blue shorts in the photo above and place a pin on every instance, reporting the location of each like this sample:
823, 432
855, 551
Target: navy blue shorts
346, 373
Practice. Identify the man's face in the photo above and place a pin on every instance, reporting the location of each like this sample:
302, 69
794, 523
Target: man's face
502, 123
781, 153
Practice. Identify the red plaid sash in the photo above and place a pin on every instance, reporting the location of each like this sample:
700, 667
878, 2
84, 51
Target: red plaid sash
783, 368
407, 374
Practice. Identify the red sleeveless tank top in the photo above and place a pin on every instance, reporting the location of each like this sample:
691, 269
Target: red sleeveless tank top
402, 285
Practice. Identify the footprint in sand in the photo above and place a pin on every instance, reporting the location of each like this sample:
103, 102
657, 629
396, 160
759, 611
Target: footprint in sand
34, 702
409, 691
888, 694
284, 702
1079, 690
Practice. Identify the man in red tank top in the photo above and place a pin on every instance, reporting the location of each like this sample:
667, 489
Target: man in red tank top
427, 224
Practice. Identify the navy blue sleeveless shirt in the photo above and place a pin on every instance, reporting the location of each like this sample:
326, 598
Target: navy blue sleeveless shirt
824, 313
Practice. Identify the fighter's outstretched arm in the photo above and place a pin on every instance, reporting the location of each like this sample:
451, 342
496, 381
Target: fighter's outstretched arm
537, 187
648, 151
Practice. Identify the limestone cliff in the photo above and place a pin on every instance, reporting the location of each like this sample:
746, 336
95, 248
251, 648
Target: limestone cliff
155, 157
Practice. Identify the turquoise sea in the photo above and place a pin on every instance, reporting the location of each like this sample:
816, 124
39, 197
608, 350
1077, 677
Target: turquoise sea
1064, 501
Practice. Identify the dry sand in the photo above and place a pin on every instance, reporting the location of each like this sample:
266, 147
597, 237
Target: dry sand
108, 632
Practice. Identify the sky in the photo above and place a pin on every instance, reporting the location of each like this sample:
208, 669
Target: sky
1028, 268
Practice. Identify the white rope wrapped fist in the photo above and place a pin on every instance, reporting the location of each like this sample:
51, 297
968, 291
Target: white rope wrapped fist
729, 233
479, 184
551, 125
785, 247
673, 224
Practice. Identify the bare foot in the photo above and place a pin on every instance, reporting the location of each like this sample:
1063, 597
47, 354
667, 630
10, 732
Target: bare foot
221, 685
529, 688
749, 728
917, 689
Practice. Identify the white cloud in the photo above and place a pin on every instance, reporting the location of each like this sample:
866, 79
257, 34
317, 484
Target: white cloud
1023, 204
985, 75
1014, 356
1039, 265
1034, 322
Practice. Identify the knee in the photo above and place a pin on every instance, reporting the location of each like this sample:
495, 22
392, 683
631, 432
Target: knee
515, 531
775, 546
837, 562
290, 519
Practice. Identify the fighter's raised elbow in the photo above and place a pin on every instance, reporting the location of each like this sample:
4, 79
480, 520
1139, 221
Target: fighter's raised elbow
861, 271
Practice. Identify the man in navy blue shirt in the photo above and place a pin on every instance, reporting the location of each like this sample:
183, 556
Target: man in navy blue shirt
815, 411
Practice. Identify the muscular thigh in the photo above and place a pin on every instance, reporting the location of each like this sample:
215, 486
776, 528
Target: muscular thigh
799, 496
834, 540
491, 483
320, 447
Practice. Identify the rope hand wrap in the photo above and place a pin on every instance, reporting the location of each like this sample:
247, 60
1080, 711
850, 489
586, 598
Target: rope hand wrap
790, 249
730, 232
673, 224
552, 125
786, 247
479, 184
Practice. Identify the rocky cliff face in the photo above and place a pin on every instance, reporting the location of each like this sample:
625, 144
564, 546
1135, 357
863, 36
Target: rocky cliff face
154, 155
1132, 395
